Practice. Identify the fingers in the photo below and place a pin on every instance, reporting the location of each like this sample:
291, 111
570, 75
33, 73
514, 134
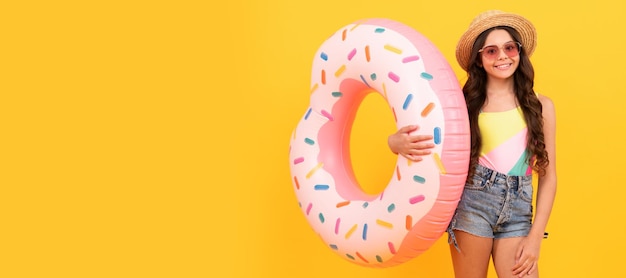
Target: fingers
422, 146
520, 271
524, 267
408, 129
414, 158
420, 138
419, 151
527, 270
420, 142
532, 269
416, 155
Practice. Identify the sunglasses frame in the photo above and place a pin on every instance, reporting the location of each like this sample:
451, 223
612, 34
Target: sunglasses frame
519, 49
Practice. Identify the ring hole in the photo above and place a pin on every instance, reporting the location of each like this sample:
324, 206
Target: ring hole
372, 161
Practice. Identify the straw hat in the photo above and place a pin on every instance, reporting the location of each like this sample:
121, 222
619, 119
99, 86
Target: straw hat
491, 19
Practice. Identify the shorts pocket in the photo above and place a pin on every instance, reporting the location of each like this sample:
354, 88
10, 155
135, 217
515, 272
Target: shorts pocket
526, 193
476, 183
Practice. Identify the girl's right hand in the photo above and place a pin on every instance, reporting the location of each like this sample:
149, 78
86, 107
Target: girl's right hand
412, 147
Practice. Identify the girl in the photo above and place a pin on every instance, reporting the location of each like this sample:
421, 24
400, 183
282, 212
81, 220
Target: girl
512, 133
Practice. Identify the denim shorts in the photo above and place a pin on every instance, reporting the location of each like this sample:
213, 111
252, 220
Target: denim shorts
494, 205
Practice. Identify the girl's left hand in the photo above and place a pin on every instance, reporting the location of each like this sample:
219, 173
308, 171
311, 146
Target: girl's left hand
526, 256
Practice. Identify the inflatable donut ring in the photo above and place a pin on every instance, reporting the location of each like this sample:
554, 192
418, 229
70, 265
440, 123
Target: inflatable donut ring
414, 209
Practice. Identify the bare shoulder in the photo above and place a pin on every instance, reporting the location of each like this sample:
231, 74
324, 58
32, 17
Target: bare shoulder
546, 103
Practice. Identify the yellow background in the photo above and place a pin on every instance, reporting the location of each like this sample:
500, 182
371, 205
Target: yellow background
150, 138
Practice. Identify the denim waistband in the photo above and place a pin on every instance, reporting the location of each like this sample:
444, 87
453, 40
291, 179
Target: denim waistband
491, 175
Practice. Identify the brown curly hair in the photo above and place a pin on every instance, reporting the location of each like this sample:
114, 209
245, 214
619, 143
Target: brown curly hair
475, 92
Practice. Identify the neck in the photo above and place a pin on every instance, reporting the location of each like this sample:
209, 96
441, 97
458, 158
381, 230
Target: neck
500, 86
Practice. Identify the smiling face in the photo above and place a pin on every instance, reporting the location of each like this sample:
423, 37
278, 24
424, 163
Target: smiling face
502, 61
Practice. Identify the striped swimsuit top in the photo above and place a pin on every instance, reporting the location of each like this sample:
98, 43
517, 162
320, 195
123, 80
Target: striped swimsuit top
504, 142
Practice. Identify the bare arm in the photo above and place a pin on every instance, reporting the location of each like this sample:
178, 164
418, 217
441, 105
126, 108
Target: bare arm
546, 187
527, 254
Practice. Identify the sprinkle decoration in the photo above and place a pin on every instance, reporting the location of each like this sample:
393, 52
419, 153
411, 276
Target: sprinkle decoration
351, 54
394, 77
384, 224
398, 173
298, 160
408, 222
419, 179
416, 199
410, 59
442, 170
407, 101
393, 49
427, 109
314, 88
340, 70
361, 257
349, 233
364, 81
317, 167
319, 187
426, 76
327, 115
437, 135
364, 235
295, 180
392, 249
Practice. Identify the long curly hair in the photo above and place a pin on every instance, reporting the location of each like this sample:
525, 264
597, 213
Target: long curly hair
475, 92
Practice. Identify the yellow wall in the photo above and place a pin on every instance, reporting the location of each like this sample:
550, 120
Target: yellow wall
150, 138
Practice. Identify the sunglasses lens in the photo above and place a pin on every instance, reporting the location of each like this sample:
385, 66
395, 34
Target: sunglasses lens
511, 49
491, 51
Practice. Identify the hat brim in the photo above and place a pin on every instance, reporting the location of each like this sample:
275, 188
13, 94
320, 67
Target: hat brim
524, 27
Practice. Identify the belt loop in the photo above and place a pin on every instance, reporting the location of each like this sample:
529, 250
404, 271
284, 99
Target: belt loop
492, 176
